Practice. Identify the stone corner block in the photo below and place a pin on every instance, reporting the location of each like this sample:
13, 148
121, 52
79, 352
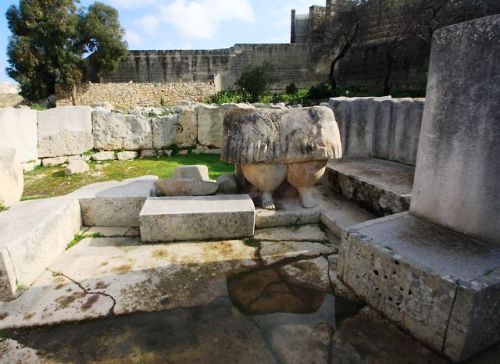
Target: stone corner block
439, 285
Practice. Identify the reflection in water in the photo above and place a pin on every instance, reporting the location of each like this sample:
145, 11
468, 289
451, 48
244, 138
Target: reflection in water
261, 318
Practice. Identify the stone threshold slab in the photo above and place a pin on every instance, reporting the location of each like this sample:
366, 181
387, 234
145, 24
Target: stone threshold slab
166, 219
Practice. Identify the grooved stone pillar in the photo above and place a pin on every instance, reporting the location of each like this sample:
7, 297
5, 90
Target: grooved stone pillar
458, 163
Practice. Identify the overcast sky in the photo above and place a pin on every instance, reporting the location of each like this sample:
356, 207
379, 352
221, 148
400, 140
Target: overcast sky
192, 24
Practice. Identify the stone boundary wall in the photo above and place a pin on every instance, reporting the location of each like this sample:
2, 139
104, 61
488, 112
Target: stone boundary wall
125, 96
378, 127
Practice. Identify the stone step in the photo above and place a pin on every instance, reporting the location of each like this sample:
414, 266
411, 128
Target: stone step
32, 235
115, 204
380, 186
441, 286
165, 219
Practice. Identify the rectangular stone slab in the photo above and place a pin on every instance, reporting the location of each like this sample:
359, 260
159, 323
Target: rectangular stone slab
197, 218
441, 286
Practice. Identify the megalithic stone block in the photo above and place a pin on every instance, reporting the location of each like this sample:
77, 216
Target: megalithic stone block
197, 218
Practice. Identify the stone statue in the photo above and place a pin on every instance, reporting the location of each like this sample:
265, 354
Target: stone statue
272, 145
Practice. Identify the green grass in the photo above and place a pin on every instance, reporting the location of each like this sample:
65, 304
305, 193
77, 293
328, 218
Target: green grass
79, 237
46, 182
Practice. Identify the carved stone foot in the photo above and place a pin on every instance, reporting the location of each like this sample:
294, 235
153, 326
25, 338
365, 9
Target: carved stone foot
267, 201
307, 197
303, 176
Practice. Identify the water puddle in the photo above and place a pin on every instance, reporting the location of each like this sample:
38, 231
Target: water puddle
260, 318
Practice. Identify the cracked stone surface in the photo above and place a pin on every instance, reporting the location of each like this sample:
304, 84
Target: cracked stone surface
275, 251
207, 302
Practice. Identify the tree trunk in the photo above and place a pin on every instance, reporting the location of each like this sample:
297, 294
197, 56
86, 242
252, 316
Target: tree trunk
73, 95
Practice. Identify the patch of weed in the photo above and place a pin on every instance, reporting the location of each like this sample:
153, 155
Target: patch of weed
79, 237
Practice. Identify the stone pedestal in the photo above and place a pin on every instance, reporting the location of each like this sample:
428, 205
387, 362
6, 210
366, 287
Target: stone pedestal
436, 270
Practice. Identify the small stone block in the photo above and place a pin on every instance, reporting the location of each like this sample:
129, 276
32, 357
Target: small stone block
197, 218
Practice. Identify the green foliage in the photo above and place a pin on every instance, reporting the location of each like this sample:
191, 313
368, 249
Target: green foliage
79, 237
291, 89
50, 40
320, 91
3, 207
255, 80
20, 287
228, 96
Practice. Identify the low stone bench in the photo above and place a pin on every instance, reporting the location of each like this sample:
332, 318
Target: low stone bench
197, 218
114, 203
32, 235
380, 186
440, 285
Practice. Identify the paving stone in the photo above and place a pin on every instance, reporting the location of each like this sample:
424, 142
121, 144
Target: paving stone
440, 285
276, 251
115, 204
197, 218
120, 276
310, 233
32, 235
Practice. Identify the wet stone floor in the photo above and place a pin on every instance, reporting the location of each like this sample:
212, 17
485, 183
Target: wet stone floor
270, 299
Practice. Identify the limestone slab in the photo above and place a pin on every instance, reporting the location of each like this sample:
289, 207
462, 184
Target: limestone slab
100, 277
11, 177
19, 131
197, 218
311, 233
32, 235
115, 204
114, 131
276, 251
177, 129
436, 283
380, 186
210, 125
64, 131
458, 165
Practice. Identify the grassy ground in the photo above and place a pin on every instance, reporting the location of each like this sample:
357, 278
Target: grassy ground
50, 181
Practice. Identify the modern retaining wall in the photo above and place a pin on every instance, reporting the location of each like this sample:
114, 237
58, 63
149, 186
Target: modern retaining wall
377, 127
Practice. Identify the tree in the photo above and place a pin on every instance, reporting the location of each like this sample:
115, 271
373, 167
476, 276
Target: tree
255, 80
50, 40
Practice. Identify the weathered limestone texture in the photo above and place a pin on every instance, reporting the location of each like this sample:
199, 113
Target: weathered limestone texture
103, 156
76, 166
197, 218
55, 161
177, 129
188, 181
32, 235
270, 145
126, 95
426, 270
64, 131
379, 127
280, 136
440, 285
115, 203
11, 177
380, 186
19, 130
125, 156
459, 149
211, 123
113, 131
